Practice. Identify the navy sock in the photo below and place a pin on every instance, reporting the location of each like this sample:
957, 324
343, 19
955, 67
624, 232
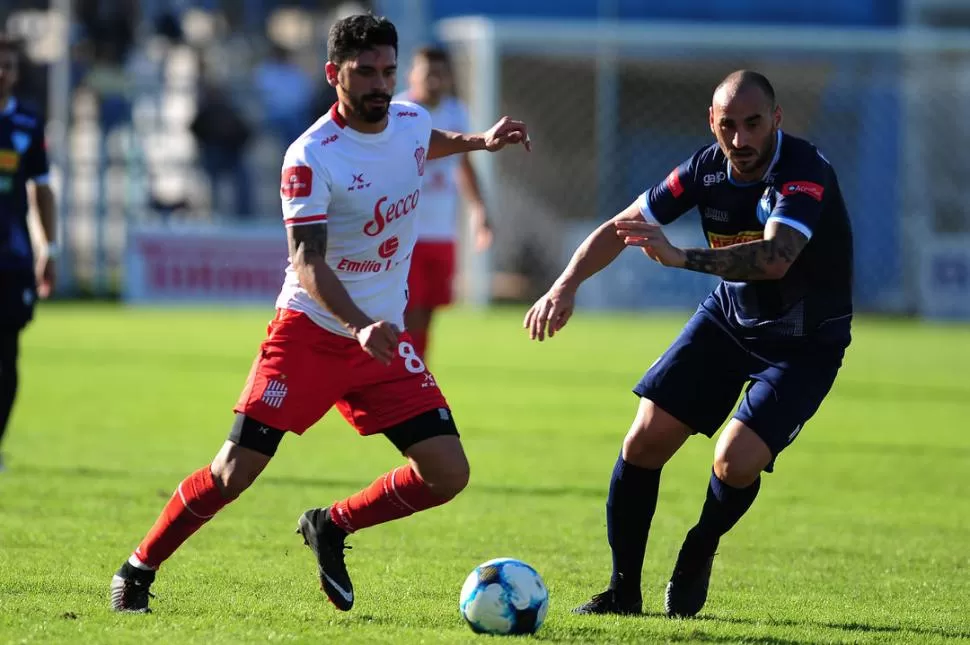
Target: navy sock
629, 511
723, 508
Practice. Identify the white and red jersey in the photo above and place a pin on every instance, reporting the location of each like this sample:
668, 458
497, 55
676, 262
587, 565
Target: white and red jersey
366, 188
438, 221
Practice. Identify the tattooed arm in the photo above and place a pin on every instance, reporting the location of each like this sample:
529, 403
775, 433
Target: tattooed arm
308, 250
767, 259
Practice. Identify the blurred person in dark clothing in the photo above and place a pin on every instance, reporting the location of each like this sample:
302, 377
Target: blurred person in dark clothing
23, 179
222, 135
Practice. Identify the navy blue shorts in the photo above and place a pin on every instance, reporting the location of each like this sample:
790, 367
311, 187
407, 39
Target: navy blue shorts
18, 293
700, 376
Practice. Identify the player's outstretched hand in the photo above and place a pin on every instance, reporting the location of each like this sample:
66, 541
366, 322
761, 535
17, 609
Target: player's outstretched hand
650, 238
550, 313
507, 131
379, 340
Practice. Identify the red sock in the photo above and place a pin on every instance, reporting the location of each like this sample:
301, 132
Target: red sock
194, 502
419, 338
392, 496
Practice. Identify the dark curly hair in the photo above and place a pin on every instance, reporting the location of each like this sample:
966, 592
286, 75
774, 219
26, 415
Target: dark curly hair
354, 34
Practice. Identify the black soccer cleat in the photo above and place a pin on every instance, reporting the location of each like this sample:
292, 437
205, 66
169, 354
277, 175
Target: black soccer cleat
130, 589
687, 590
611, 602
326, 540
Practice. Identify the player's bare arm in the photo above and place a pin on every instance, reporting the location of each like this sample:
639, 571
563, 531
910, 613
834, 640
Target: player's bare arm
308, 251
552, 311
477, 213
506, 131
43, 201
767, 259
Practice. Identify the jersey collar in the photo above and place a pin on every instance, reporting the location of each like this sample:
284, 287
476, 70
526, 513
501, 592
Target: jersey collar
768, 170
10, 107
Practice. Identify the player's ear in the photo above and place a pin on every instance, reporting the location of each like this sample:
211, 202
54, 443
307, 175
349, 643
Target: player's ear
778, 116
710, 119
332, 70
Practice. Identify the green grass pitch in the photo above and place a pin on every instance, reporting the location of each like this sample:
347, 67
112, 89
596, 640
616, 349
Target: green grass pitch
861, 535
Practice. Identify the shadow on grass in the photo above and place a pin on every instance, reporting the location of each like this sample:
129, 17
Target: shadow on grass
88, 472
849, 628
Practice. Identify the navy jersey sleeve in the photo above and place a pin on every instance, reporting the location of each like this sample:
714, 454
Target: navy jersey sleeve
35, 159
675, 195
800, 194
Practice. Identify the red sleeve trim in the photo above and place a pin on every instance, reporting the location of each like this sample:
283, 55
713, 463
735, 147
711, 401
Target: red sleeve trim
306, 219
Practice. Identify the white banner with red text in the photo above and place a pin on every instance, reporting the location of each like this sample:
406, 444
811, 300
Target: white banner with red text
204, 264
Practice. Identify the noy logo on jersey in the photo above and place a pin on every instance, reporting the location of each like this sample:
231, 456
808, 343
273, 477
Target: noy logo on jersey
384, 215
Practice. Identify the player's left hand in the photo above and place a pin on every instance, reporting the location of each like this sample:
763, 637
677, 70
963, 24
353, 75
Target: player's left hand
507, 131
650, 238
482, 230
46, 277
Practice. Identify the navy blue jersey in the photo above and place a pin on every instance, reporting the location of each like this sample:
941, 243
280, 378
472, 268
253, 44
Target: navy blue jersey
799, 189
23, 158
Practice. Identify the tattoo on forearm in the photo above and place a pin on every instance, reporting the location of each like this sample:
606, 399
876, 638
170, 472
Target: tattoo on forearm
748, 261
307, 242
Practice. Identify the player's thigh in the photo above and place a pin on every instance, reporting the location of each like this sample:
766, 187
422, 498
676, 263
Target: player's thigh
784, 395
300, 372
698, 379
390, 397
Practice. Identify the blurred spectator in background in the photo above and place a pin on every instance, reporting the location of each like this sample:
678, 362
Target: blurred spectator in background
108, 80
222, 135
286, 94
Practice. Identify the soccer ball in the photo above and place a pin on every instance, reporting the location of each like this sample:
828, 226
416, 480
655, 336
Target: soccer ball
504, 596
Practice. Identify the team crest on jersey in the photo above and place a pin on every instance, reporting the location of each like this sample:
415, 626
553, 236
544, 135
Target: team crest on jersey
419, 157
274, 394
21, 141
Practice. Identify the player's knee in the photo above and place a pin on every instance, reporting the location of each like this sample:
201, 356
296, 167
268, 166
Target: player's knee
232, 478
735, 471
654, 436
448, 482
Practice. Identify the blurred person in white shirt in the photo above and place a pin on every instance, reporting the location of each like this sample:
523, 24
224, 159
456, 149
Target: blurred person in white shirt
430, 283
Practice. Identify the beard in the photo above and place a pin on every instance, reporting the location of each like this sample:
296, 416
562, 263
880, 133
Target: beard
370, 113
754, 159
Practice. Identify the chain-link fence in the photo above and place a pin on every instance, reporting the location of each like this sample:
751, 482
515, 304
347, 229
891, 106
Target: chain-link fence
614, 107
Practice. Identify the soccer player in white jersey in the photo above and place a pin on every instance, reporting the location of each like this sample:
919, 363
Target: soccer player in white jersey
431, 86
351, 185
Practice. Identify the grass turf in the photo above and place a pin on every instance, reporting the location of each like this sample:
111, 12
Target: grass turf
861, 535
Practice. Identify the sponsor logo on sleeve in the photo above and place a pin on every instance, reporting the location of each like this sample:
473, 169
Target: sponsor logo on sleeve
673, 183
813, 190
297, 181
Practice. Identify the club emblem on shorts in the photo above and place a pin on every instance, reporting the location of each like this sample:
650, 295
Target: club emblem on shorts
274, 393
419, 157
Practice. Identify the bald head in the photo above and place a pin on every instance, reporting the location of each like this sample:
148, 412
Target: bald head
745, 120
740, 82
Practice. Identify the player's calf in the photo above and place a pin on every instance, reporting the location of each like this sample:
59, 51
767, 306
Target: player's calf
195, 501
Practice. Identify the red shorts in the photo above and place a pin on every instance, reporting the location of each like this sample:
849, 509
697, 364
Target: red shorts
303, 370
432, 274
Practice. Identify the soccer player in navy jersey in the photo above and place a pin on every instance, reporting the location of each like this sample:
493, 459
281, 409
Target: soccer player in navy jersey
23, 176
776, 327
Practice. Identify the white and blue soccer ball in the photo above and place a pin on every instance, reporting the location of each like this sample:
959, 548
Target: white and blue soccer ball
504, 596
